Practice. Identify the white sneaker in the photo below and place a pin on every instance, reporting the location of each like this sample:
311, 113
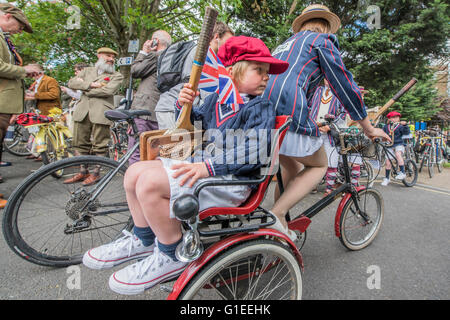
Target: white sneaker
279, 226
124, 249
400, 176
142, 275
385, 182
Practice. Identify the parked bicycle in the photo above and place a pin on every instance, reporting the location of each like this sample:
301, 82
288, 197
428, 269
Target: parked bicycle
411, 171
431, 152
118, 145
51, 137
18, 144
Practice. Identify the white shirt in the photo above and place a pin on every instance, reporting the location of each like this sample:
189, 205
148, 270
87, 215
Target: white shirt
38, 82
324, 107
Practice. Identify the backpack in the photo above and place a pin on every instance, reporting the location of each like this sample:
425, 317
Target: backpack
170, 64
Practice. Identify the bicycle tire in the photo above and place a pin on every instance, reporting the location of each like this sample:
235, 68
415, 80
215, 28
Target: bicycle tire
411, 172
377, 215
241, 264
430, 166
17, 146
440, 160
29, 233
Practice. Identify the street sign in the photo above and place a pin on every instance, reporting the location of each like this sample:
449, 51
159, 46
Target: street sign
133, 46
125, 61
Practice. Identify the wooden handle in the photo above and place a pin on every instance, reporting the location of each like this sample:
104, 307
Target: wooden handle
184, 120
397, 96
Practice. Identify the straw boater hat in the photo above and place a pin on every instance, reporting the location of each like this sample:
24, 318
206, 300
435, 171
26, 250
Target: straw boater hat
107, 50
363, 90
315, 11
17, 14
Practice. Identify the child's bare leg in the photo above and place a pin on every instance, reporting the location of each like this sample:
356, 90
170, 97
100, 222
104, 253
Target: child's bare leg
153, 195
388, 164
399, 156
131, 177
301, 184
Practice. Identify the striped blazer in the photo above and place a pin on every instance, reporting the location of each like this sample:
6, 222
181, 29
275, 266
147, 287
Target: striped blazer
311, 56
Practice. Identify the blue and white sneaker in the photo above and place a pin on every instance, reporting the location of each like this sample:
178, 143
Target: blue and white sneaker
126, 248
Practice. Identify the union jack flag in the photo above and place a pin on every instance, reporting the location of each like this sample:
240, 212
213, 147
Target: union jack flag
215, 78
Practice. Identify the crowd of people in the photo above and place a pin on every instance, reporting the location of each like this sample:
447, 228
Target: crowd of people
284, 82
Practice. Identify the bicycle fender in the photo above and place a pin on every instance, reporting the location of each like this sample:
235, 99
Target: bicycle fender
39, 140
341, 206
219, 247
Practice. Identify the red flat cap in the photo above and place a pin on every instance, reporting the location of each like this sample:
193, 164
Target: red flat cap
244, 48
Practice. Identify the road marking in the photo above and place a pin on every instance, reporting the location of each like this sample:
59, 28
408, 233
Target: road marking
424, 187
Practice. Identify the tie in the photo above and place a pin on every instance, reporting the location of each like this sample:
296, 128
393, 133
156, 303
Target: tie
17, 58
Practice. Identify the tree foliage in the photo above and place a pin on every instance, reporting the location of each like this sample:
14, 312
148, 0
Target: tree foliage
413, 33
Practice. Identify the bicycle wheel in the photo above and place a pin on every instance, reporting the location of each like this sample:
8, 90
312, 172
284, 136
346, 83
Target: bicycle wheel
425, 159
253, 270
430, 165
411, 173
440, 159
18, 146
355, 232
367, 173
44, 221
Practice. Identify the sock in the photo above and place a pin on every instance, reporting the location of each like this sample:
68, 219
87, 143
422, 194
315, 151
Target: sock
169, 249
388, 173
145, 234
331, 178
356, 172
402, 169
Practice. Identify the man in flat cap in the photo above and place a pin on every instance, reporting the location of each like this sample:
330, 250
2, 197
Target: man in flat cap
12, 73
98, 85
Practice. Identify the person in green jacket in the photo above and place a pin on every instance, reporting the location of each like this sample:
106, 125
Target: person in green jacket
12, 73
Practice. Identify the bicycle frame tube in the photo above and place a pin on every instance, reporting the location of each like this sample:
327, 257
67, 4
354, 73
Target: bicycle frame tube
392, 158
108, 177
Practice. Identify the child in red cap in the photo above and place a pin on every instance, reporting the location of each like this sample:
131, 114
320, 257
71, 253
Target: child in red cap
395, 129
152, 186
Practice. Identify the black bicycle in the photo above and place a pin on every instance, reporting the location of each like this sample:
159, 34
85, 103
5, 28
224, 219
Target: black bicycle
361, 210
411, 170
51, 223
18, 144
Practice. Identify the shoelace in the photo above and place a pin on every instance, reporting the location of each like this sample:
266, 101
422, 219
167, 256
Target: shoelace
158, 258
120, 243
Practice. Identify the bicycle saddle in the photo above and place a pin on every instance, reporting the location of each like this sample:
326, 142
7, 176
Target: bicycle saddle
115, 115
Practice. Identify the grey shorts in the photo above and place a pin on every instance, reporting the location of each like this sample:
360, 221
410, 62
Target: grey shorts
229, 196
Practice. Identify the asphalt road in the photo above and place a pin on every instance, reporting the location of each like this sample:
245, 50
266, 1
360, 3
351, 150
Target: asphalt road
409, 259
